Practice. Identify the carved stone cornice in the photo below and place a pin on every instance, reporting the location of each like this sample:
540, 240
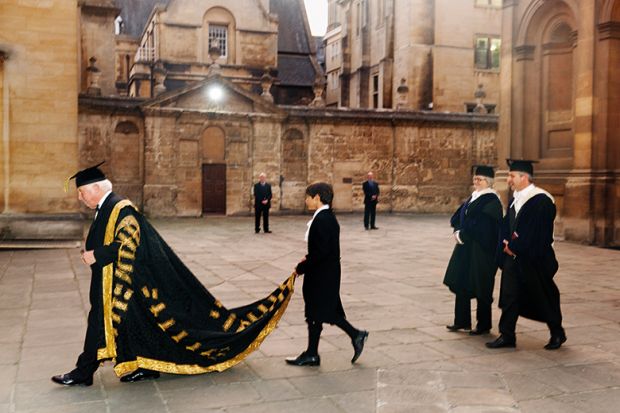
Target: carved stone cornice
525, 52
609, 30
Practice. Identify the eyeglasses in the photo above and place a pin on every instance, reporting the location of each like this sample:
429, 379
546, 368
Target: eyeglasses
476, 179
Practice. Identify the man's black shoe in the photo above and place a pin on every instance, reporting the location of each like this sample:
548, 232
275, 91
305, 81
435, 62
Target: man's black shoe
139, 375
501, 342
479, 332
256, 231
304, 360
374, 227
555, 342
267, 232
69, 380
453, 328
358, 344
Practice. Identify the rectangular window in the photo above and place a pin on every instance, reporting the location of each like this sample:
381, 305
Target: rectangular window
489, 3
375, 91
487, 53
334, 80
359, 18
218, 37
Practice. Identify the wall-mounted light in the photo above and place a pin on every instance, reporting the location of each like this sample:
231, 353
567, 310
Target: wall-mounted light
215, 93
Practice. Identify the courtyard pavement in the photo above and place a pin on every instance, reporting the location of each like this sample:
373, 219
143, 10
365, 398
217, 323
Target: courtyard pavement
391, 286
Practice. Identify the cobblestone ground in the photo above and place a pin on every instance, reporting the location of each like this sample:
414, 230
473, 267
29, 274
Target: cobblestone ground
392, 286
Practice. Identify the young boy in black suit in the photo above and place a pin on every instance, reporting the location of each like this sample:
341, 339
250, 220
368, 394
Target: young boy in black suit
321, 288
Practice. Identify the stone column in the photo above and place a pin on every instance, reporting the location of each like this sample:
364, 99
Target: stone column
508, 104
4, 136
578, 209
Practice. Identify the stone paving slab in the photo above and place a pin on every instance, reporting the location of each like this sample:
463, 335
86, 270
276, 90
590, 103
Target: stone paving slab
392, 286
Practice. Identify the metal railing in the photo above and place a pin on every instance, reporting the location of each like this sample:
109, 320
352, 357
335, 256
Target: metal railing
145, 54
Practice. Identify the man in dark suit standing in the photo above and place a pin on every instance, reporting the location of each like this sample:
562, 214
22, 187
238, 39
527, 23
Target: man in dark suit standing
95, 191
321, 266
262, 203
528, 260
371, 197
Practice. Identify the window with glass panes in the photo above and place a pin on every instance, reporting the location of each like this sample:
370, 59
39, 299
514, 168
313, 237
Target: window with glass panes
375, 91
487, 52
218, 36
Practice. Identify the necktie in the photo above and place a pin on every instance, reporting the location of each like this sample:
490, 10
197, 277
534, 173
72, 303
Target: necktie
96, 211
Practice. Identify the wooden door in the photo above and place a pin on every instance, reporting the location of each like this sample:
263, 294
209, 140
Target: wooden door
214, 188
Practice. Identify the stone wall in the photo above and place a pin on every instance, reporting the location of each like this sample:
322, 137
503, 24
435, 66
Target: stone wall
39, 127
421, 160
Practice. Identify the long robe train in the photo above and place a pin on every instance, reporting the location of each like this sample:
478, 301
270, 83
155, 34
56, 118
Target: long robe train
158, 316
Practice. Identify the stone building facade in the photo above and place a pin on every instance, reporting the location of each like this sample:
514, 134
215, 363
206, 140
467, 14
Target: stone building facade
38, 117
413, 54
560, 102
182, 152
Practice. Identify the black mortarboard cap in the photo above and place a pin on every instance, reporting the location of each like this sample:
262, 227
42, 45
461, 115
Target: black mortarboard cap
483, 170
521, 165
88, 175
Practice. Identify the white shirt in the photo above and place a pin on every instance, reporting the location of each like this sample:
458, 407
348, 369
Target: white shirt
474, 195
521, 197
309, 224
101, 201
477, 194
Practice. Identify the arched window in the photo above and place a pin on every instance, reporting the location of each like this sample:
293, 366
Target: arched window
219, 31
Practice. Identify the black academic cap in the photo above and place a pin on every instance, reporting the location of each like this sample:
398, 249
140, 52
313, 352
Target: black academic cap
521, 165
89, 175
483, 170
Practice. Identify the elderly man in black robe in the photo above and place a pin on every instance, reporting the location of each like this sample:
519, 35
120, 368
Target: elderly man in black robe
528, 260
321, 267
472, 267
149, 313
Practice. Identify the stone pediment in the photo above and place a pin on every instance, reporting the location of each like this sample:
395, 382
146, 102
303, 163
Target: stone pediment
214, 94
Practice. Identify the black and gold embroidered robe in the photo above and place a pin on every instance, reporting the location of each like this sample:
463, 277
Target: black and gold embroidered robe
158, 316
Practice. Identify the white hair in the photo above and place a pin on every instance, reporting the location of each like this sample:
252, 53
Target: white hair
490, 181
104, 185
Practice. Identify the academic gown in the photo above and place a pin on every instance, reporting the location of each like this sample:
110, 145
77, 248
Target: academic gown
472, 267
531, 237
321, 288
155, 314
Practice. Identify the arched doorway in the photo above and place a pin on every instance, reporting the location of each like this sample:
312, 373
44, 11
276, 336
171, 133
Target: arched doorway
548, 87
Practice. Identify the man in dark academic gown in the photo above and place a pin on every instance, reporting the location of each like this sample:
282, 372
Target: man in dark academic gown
262, 203
472, 267
321, 267
371, 197
149, 313
528, 261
